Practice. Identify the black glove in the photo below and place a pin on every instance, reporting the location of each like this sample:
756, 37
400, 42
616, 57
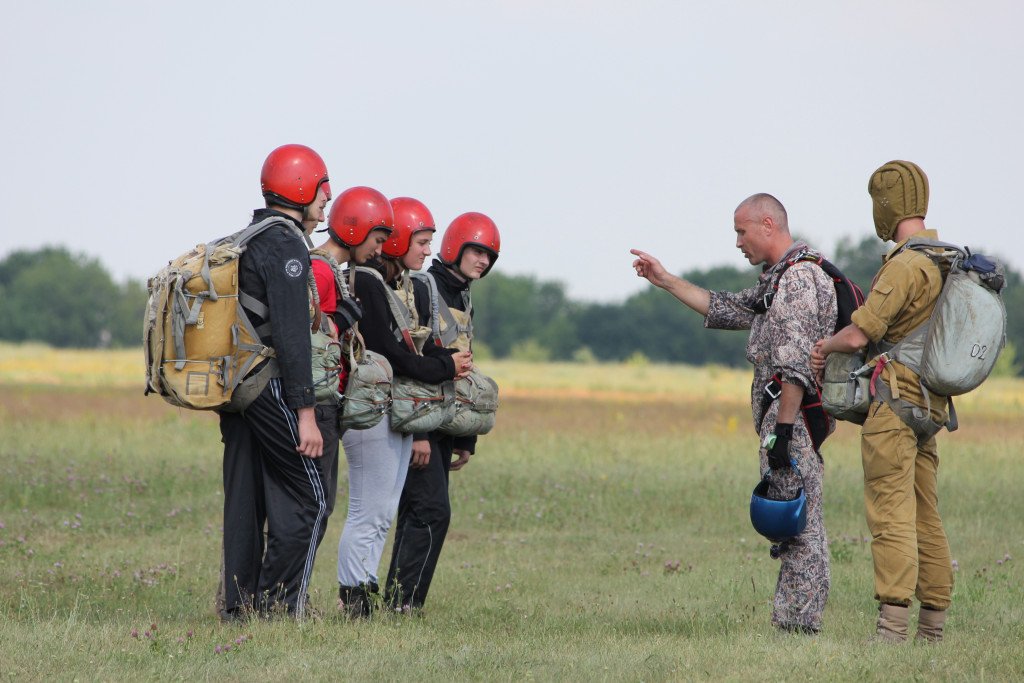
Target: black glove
778, 453
348, 314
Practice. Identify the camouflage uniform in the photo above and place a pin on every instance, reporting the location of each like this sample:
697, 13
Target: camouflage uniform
803, 311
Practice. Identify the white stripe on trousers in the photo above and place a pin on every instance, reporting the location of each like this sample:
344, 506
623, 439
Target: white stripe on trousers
318, 493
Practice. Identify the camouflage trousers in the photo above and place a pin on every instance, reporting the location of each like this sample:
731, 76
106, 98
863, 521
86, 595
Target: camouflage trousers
805, 576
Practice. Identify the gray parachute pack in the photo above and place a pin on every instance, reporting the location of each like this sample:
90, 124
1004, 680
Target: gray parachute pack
953, 352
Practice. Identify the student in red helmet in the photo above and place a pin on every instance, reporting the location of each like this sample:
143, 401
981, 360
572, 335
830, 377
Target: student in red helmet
362, 219
468, 251
272, 473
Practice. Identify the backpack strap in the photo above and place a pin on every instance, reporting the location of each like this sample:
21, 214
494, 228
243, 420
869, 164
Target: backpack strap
241, 240
339, 273
400, 316
926, 245
439, 312
811, 409
849, 297
765, 303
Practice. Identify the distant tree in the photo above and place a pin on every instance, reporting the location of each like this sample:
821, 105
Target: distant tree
661, 328
511, 309
861, 260
1013, 298
126, 323
66, 300
69, 300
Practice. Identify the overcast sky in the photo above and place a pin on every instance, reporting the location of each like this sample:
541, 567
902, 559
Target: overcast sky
133, 130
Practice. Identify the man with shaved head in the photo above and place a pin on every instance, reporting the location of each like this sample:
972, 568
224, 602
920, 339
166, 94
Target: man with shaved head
792, 303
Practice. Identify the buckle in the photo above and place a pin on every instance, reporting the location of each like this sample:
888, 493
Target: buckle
766, 300
768, 389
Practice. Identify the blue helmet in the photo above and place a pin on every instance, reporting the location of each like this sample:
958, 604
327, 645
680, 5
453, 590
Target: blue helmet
777, 520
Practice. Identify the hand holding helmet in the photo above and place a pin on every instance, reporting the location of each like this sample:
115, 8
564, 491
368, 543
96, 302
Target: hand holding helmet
778, 446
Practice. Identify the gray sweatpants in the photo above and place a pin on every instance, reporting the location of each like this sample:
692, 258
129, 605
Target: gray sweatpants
378, 462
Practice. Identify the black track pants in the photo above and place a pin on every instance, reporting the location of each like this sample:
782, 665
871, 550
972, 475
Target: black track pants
293, 498
424, 513
244, 516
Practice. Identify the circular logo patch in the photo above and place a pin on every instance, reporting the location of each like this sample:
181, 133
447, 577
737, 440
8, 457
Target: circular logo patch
293, 268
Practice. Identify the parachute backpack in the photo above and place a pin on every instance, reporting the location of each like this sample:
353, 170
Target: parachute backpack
476, 395
198, 340
955, 350
416, 407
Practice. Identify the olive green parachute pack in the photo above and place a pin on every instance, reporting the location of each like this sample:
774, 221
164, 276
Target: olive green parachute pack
199, 343
367, 391
953, 352
416, 407
476, 396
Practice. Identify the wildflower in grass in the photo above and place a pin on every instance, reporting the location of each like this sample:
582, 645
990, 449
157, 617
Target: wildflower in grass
152, 627
217, 650
135, 633
956, 566
189, 634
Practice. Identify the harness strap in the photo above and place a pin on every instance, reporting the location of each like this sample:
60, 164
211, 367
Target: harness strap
811, 409
438, 312
399, 315
762, 306
253, 304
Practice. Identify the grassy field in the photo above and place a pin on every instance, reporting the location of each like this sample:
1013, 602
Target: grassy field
600, 533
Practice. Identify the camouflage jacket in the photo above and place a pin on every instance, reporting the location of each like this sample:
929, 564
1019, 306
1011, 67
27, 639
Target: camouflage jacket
802, 312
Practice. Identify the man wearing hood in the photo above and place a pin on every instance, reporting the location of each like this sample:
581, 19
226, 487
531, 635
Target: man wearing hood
909, 547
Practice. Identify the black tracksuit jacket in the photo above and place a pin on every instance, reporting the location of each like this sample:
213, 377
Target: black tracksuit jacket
274, 270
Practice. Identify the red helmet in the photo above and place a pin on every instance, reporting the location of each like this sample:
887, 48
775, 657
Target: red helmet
470, 229
411, 216
356, 212
292, 174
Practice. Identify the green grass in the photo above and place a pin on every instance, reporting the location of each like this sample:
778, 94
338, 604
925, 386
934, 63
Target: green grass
602, 538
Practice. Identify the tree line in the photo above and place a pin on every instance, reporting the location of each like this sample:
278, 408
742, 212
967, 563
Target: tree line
522, 317
69, 300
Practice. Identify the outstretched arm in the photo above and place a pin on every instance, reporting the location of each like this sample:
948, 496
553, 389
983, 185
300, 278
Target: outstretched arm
646, 266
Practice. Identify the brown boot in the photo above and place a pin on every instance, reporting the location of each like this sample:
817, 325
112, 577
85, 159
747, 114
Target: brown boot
930, 623
893, 623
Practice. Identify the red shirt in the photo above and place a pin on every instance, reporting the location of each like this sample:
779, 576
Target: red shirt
325, 286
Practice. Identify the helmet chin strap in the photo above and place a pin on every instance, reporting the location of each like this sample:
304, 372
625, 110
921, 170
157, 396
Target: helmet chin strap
457, 272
